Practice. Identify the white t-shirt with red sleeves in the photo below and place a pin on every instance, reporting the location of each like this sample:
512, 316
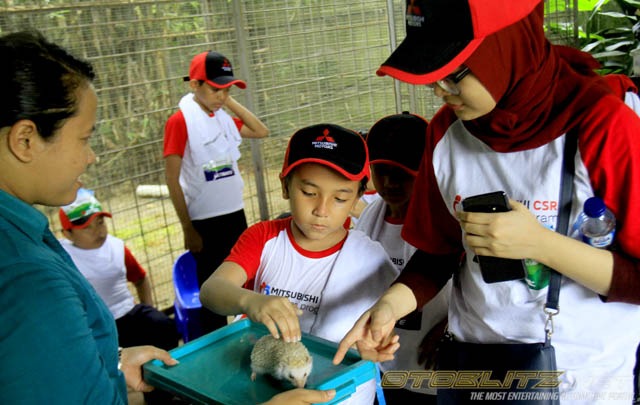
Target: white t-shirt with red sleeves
332, 287
595, 341
209, 174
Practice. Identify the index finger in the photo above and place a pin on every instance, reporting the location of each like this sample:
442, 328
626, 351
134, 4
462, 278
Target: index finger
289, 323
351, 338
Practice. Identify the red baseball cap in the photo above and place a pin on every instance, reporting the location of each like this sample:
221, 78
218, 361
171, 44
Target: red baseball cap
442, 34
214, 69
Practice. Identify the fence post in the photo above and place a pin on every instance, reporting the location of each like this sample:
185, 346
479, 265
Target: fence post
256, 151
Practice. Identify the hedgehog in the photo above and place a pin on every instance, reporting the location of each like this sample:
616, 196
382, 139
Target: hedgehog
281, 360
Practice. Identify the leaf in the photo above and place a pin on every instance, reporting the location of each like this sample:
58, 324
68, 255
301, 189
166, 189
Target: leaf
608, 54
618, 45
588, 5
614, 14
596, 8
590, 47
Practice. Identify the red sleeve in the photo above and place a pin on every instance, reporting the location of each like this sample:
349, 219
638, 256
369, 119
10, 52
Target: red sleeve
609, 145
625, 282
429, 225
135, 272
175, 135
620, 84
247, 251
426, 274
239, 123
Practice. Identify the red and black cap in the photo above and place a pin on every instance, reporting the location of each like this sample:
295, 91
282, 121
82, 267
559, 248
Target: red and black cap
442, 34
398, 140
330, 145
214, 69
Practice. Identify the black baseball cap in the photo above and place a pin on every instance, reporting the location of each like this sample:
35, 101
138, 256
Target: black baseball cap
330, 145
442, 34
398, 140
214, 69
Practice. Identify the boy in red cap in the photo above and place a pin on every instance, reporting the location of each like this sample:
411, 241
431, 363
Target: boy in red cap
201, 150
109, 266
308, 273
512, 101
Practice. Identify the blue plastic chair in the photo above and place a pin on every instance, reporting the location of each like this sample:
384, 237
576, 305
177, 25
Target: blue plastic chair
187, 302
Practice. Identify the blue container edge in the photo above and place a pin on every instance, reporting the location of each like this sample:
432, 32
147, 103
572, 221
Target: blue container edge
344, 382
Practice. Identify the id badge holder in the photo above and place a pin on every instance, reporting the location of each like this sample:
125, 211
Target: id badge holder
218, 169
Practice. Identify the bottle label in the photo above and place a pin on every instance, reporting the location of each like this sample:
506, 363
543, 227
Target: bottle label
599, 241
537, 274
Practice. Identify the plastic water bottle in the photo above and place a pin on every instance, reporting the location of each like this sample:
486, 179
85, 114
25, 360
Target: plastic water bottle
597, 225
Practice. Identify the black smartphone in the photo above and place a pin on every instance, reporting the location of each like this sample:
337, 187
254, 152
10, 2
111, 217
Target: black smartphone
495, 269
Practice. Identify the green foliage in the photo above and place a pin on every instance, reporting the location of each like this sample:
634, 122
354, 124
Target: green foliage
562, 5
607, 31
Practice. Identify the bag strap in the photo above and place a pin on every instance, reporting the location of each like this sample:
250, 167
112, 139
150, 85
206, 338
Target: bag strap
564, 213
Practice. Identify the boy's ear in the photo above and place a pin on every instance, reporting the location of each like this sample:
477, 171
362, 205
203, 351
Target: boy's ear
193, 84
285, 189
66, 233
22, 139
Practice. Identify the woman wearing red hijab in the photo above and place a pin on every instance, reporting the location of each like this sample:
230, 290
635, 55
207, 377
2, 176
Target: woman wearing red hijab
511, 100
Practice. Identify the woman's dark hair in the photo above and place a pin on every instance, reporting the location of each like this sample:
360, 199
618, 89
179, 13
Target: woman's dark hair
39, 80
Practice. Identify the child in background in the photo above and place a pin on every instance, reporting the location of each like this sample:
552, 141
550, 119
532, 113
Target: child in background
106, 262
370, 194
396, 144
108, 265
307, 273
201, 151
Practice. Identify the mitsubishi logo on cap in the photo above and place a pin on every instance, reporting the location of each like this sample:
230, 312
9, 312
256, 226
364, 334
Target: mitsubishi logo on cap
324, 141
414, 15
325, 137
226, 65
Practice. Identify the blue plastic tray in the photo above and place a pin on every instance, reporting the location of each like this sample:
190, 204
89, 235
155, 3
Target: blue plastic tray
215, 368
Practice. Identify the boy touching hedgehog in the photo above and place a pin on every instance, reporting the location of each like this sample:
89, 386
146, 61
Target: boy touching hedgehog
308, 273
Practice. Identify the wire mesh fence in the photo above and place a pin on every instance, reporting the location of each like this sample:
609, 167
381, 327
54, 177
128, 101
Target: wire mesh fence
305, 62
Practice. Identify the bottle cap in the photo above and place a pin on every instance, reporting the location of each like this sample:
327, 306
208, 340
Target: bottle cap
594, 207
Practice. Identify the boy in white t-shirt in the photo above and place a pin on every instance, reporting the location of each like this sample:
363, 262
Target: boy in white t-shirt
109, 266
201, 150
308, 273
396, 144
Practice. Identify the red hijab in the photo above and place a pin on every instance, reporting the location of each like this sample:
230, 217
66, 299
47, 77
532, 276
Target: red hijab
541, 89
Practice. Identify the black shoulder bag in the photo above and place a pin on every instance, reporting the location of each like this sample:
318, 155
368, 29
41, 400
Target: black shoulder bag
522, 373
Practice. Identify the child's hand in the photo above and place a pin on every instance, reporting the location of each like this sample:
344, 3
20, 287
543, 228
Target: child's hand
372, 335
192, 239
277, 314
